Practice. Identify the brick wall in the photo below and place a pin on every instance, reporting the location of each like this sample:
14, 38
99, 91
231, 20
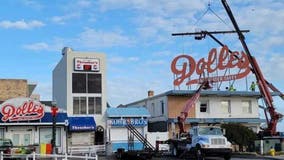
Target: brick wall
12, 88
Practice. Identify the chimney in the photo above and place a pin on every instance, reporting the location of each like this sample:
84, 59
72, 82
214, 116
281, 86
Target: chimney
65, 50
150, 93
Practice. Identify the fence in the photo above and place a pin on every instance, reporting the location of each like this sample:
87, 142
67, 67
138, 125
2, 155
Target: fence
76, 152
35, 156
90, 150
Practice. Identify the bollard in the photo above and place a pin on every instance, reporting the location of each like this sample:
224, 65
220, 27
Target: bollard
1, 156
66, 156
34, 155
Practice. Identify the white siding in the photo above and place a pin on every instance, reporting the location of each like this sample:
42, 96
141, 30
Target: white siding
236, 108
121, 134
59, 85
62, 82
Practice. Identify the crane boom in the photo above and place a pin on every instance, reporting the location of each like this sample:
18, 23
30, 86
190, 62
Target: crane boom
262, 84
189, 104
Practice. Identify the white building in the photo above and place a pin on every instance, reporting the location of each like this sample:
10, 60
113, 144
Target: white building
79, 87
212, 107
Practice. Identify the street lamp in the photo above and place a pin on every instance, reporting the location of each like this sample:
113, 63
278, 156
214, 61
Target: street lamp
54, 110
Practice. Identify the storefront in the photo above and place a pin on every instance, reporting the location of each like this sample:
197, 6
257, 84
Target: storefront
81, 131
29, 123
117, 132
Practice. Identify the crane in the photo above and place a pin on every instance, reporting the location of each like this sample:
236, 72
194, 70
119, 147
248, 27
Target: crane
263, 85
189, 104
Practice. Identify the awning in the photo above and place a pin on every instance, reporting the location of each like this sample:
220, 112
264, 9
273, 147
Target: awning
81, 124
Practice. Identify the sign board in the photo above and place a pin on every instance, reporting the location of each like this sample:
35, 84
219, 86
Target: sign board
21, 109
87, 64
215, 62
134, 121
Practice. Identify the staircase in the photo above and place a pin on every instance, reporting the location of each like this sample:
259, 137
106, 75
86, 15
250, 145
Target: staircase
139, 136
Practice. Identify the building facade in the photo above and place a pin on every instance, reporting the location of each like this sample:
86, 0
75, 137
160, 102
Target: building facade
118, 134
79, 87
11, 88
212, 107
29, 123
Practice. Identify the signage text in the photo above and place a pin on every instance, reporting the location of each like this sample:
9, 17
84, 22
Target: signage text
214, 62
133, 121
29, 110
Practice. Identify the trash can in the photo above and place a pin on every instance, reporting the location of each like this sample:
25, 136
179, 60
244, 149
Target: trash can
272, 151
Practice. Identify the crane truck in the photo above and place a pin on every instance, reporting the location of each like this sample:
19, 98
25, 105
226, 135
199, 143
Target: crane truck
201, 140
209, 140
263, 85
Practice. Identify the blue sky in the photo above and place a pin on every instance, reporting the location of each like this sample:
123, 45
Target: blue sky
136, 37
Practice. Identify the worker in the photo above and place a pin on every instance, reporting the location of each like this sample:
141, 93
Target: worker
231, 88
252, 86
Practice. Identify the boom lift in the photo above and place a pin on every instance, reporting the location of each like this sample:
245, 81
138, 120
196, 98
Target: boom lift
189, 103
263, 85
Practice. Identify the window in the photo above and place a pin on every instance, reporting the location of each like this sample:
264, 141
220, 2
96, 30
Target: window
79, 105
76, 105
204, 106
91, 105
162, 107
86, 83
225, 106
94, 83
79, 83
2, 133
98, 105
45, 136
87, 105
246, 106
153, 109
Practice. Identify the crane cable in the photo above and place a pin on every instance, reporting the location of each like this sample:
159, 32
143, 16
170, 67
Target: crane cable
214, 13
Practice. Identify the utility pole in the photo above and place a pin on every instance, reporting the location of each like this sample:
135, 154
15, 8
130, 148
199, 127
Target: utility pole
54, 110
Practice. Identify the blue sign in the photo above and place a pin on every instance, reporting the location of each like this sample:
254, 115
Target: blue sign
134, 121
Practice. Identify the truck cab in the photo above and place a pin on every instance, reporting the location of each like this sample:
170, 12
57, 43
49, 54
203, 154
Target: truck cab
209, 141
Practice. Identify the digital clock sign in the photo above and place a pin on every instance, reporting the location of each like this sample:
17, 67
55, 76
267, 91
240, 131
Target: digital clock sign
87, 64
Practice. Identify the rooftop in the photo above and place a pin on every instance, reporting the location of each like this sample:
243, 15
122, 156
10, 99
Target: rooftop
128, 112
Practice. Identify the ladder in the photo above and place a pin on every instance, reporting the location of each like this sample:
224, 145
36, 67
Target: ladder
139, 136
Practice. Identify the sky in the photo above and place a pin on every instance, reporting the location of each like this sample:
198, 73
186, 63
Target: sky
136, 38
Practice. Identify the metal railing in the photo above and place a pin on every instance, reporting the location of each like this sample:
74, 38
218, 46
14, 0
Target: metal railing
90, 150
35, 156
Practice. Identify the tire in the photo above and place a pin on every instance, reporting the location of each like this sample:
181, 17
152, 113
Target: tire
198, 154
227, 157
175, 152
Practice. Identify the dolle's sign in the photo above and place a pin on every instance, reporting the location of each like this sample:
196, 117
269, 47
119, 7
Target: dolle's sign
28, 110
214, 62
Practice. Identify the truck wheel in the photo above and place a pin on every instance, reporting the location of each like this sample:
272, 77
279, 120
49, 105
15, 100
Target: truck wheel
175, 152
227, 157
199, 155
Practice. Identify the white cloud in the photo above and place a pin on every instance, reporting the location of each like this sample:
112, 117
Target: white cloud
84, 3
122, 59
64, 18
33, 4
97, 39
56, 45
45, 90
22, 24
37, 46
